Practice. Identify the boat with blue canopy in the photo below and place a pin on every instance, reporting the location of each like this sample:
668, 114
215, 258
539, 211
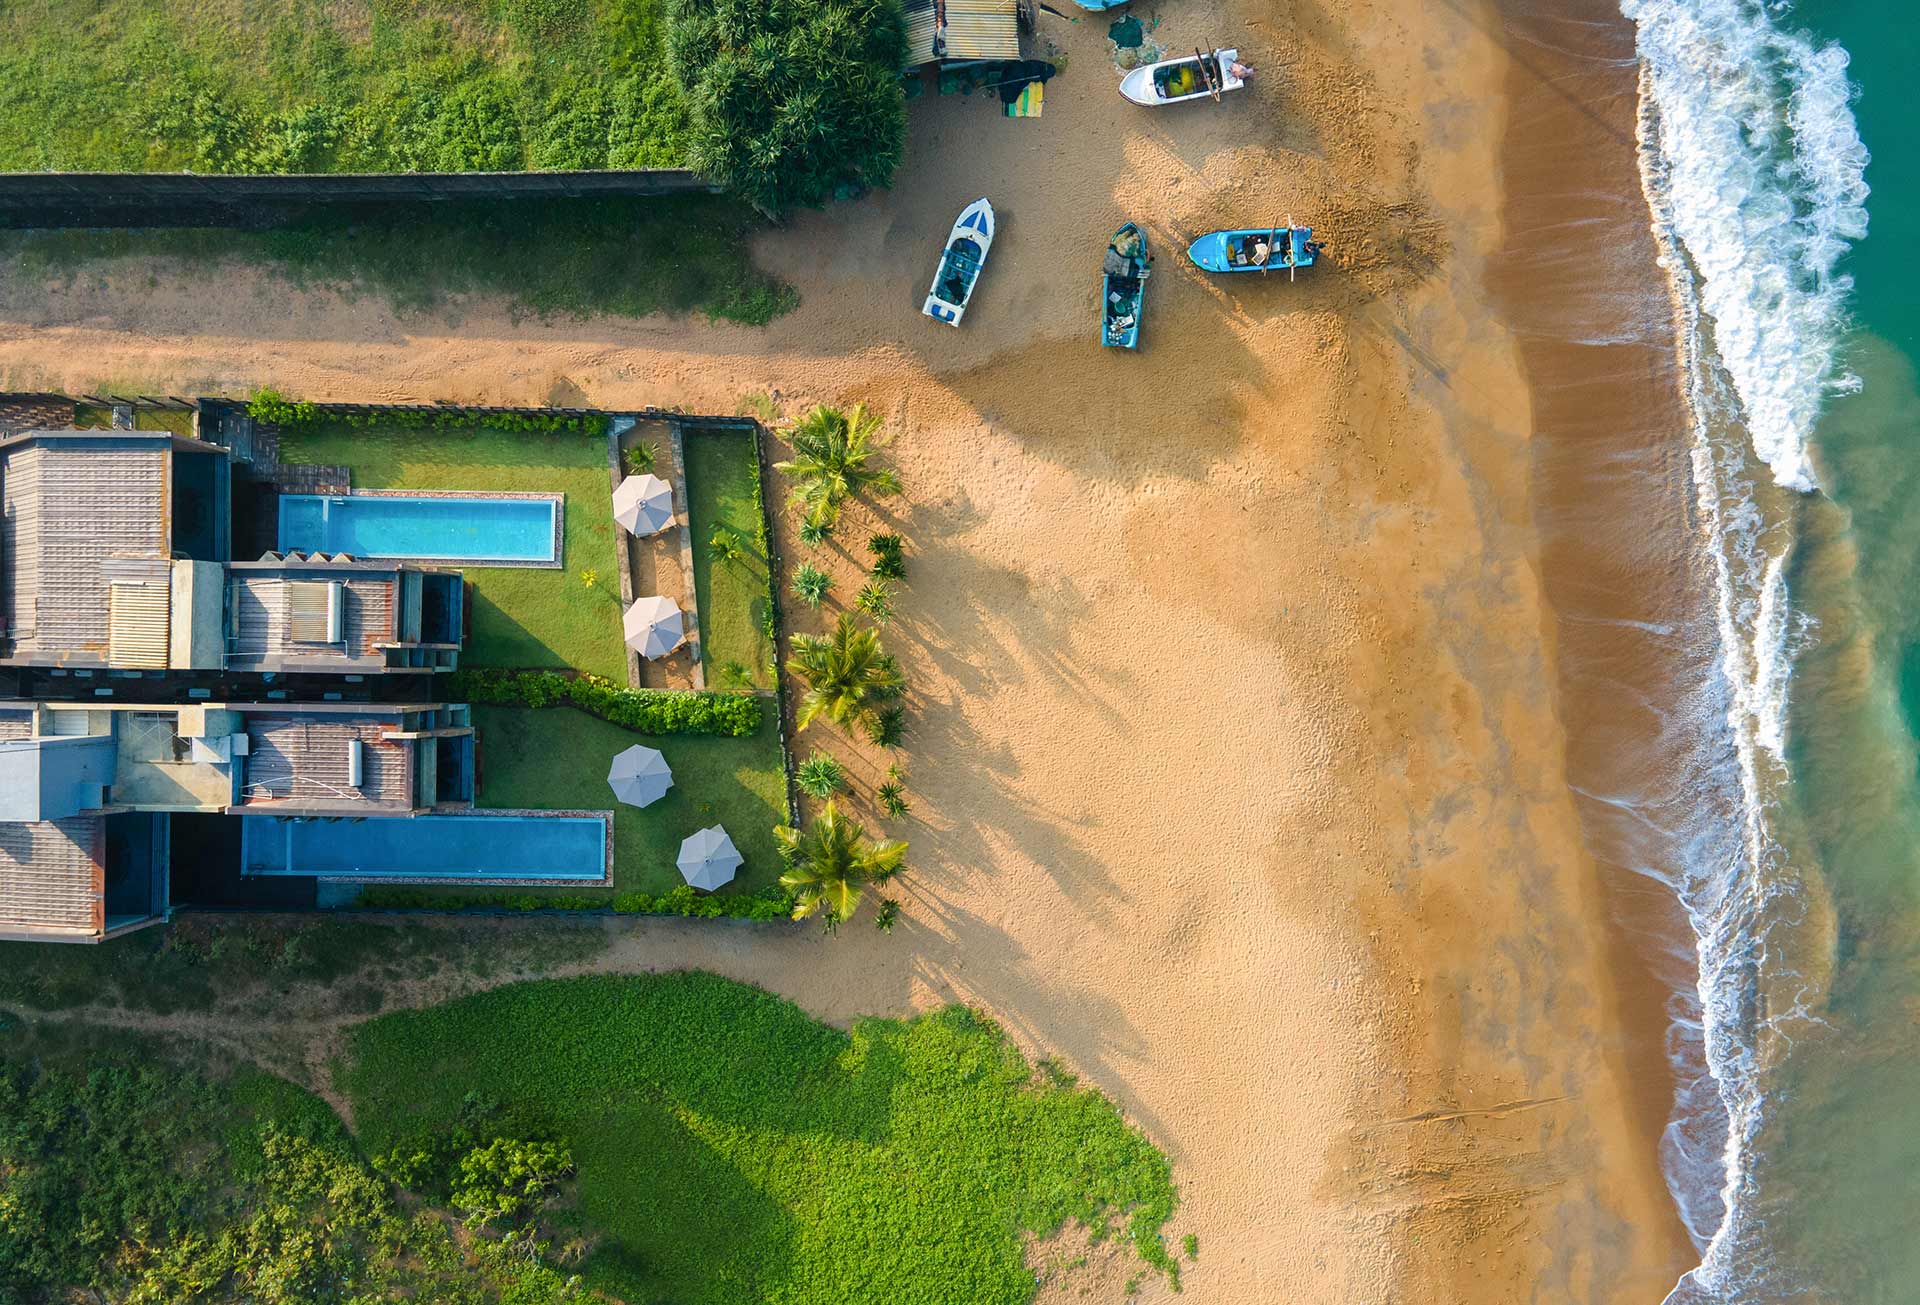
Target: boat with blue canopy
1256, 249
960, 263
1127, 265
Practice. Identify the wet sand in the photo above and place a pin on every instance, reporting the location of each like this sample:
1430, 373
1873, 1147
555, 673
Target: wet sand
1237, 753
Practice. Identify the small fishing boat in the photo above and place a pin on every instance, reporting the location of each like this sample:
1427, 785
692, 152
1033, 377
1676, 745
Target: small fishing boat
1190, 77
1127, 265
1256, 249
960, 264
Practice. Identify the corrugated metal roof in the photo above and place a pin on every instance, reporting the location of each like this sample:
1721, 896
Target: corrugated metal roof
308, 759
982, 29
50, 877
137, 626
972, 29
264, 618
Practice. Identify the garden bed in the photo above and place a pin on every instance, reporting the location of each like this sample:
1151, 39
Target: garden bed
735, 597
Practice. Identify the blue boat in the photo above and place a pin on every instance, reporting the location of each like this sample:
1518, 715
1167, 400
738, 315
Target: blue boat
1256, 249
1127, 266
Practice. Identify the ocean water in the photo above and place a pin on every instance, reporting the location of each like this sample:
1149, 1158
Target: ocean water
1779, 158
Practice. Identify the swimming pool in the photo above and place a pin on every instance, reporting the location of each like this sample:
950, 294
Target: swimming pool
466, 847
516, 530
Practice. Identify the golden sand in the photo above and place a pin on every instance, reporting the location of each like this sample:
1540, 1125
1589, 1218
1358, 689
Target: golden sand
1237, 768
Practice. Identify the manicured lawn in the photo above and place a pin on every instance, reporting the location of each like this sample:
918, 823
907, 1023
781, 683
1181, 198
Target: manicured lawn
730, 1148
723, 490
522, 616
335, 86
556, 757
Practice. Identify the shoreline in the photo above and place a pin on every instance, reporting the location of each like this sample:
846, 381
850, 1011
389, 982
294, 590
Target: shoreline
1601, 351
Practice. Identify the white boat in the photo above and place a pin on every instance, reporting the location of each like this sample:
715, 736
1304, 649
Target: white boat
960, 263
1193, 76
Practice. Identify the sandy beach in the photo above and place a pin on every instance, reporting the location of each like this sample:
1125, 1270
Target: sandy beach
1237, 749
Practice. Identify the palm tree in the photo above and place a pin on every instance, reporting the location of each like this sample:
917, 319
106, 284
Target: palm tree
848, 673
832, 461
832, 861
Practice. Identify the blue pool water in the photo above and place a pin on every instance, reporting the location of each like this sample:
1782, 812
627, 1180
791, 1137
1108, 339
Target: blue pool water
505, 530
456, 848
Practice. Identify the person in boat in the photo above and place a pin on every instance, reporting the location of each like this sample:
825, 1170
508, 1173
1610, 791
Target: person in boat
1244, 71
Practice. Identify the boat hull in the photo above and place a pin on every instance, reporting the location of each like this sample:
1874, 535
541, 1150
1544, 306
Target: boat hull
1216, 251
1138, 86
954, 284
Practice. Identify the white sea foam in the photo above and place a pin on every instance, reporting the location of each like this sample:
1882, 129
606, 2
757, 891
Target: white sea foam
1764, 173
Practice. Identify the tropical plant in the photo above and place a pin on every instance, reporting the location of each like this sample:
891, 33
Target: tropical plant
507, 1177
876, 600
833, 461
886, 726
889, 912
820, 776
725, 545
589, 577
889, 559
791, 103
893, 796
832, 861
810, 584
815, 533
849, 676
642, 455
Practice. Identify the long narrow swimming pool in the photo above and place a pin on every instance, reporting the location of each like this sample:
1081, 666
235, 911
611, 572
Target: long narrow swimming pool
467, 847
518, 530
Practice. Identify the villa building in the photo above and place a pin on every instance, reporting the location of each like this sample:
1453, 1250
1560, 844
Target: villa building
118, 585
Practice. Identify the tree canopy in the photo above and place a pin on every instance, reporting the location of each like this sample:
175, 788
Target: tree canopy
790, 100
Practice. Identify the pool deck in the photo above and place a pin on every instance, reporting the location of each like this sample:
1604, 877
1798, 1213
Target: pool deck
559, 501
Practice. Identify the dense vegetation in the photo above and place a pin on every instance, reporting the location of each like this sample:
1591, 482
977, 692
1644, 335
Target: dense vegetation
336, 86
628, 257
145, 1181
790, 104
730, 1148
644, 711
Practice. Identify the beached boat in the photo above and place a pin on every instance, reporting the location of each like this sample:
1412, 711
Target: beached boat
1127, 265
960, 264
1190, 77
1256, 249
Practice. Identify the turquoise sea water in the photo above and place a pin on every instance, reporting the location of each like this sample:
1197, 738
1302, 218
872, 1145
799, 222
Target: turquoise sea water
1803, 291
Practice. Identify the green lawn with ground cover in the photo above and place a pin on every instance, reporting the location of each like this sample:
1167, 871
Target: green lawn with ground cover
730, 1148
336, 86
522, 616
136, 1169
556, 757
736, 603
559, 257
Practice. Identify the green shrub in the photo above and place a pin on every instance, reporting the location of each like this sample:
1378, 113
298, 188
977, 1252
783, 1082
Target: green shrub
893, 797
889, 559
887, 726
820, 776
875, 599
644, 711
772, 904
810, 584
888, 914
725, 545
269, 407
815, 533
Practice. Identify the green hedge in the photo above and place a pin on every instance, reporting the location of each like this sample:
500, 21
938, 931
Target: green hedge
644, 711
771, 905
274, 409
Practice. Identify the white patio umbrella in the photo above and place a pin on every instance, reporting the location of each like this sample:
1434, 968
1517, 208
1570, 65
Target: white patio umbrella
639, 776
654, 626
643, 504
708, 859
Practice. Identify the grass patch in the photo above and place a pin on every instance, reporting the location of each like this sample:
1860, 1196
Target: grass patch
630, 257
736, 604
335, 86
730, 1148
522, 616
558, 757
